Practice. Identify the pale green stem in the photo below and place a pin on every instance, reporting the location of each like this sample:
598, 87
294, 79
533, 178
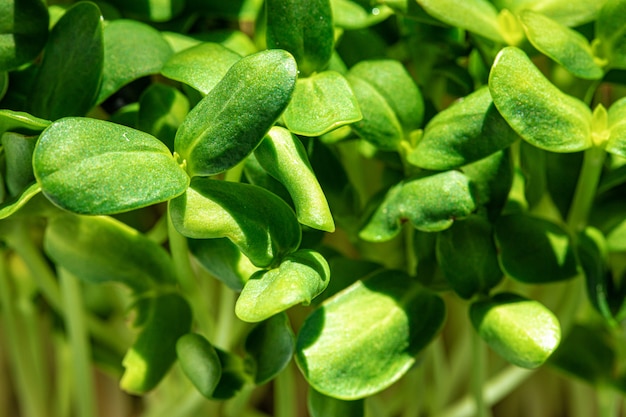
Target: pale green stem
610, 401
84, 393
285, 401
413, 401
586, 188
226, 320
63, 380
441, 372
478, 375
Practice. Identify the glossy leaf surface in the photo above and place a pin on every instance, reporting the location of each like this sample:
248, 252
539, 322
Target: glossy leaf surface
200, 362
538, 111
320, 103
91, 166
350, 356
467, 131
262, 225
233, 118
299, 278
23, 32
284, 157
522, 331
534, 250
430, 203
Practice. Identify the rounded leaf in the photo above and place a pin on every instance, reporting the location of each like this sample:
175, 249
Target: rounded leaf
200, 362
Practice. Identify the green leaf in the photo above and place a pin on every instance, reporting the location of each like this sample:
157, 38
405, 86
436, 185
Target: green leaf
468, 257
68, 80
269, 347
201, 66
283, 156
611, 33
234, 375
345, 272
131, 50
162, 109
18, 151
430, 203
616, 143
320, 405
100, 249
21, 122
200, 362
262, 225
350, 356
568, 12
299, 278
11, 206
154, 351
223, 260
4, 83
477, 16
565, 46
23, 31
467, 131
152, 10
537, 110
321, 103
350, 15
534, 250
91, 166
304, 28
522, 331
233, 118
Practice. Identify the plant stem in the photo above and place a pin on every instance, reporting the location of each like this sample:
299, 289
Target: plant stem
285, 401
79, 343
586, 188
478, 375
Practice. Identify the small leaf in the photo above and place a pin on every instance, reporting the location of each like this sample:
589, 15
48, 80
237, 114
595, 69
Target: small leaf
200, 362
283, 156
320, 405
522, 331
350, 15
234, 375
162, 109
534, 250
299, 278
201, 66
11, 206
430, 203
23, 32
131, 50
91, 166
303, 28
100, 249
262, 225
565, 46
321, 103
154, 351
616, 143
18, 151
68, 80
270, 346
350, 356
611, 33
538, 111
21, 122
467, 131
233, 118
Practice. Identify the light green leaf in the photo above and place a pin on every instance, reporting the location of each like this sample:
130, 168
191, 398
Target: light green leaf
320, 103
21, 122
153, 10
91, 166
131, 50
567, 12
262, 225
320, 405
616, 143
299, 278
283, 156
201, 66
11, 206
565, 46
200, 362
467, 131
537, 110
350, 15
430, 203
162, 109
611, 33
233, 118
23, 31
522, 331
100, 249
350, 356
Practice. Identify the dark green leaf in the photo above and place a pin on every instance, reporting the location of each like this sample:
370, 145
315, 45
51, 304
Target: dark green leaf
320, 405
161, 111
18, 151
23, 31
153, 10
234, 375
200, 362
233, 118
611, 33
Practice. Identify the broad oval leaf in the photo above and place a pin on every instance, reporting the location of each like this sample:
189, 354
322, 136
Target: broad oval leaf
262, 225
23, 32
304, 28
233, 118
534, 250
91, 166
430, 203
366, 337
321, 103
564, 45
269, 347
320, 405
537, 110
200, 362
131, 50
201, 66
467, 131
284, 157
100, 249
522, 331
299, 278
154, 352
611, 32
68, 80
